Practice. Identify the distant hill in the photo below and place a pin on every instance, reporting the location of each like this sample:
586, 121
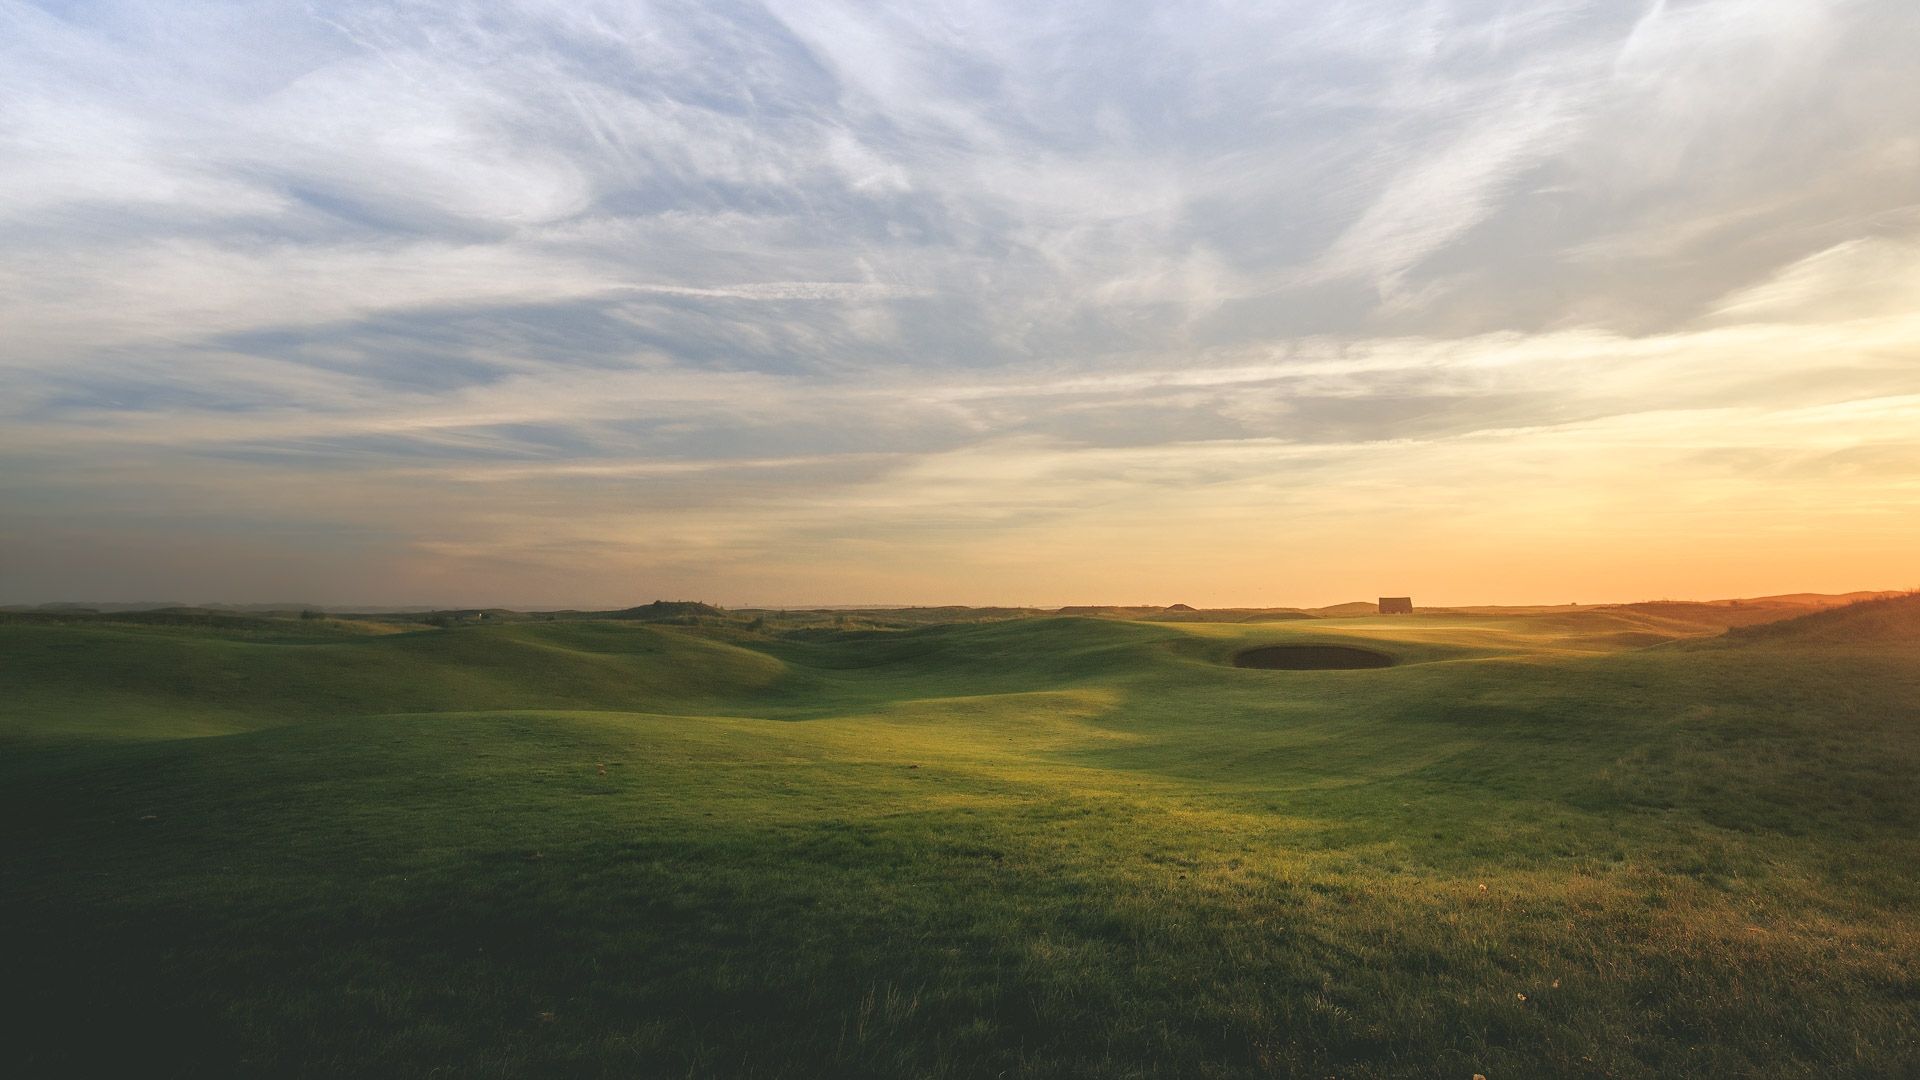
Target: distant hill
270, 608
1676, 617
1182, 613
1225, 615
1347, 611
1804, 599
1747, 612
1889, 618
1715, 614
170, 617
145, 605
661, 610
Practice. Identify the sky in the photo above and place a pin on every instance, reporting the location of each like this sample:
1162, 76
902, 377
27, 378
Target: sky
583, 304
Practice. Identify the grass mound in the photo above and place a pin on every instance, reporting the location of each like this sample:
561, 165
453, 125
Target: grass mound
195, 617
1311, 658
106, 678
1351, 609
1888, 619
662, 610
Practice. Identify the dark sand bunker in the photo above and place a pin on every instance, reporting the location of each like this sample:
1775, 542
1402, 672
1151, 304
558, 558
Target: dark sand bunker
1311, 658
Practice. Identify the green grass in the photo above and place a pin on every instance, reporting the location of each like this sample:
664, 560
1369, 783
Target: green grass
1030, 848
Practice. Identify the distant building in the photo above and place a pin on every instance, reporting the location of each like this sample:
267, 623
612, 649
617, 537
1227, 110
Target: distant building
1396, 605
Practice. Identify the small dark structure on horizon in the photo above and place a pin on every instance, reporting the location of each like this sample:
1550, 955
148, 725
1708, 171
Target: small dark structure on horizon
1396, 605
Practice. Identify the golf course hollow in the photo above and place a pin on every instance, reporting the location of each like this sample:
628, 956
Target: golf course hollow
1311, 658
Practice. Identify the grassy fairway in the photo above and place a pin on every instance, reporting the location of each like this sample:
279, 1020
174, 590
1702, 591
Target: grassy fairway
1030, 848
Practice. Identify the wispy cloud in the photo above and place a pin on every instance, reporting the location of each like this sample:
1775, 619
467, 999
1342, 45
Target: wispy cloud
790, 290
754, 298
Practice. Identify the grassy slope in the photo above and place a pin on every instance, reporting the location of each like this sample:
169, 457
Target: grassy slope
1116, 856
75, 680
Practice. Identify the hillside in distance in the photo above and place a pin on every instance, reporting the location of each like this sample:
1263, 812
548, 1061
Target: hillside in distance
1704, 613
1870, 622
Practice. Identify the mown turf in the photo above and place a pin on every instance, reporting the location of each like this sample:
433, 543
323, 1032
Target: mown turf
1032, 848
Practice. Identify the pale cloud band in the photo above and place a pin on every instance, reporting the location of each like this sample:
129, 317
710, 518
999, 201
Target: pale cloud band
812, 301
